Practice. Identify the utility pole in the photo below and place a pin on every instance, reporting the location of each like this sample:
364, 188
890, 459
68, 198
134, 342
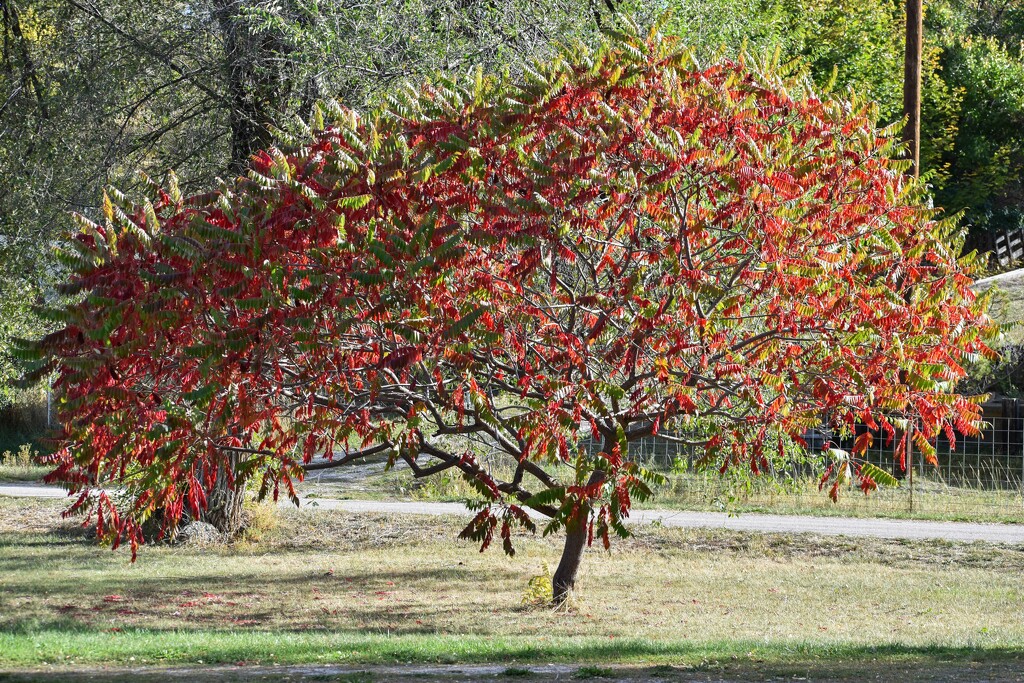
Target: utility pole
912, 138
912, 84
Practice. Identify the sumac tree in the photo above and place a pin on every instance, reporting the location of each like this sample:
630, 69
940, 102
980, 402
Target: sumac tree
625, 243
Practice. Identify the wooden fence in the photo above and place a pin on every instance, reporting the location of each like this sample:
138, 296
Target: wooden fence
1007, 246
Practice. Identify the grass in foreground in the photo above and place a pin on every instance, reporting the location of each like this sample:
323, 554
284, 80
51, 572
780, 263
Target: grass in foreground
741, 659
328, 587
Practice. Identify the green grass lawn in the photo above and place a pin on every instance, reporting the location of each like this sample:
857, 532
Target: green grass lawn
328, 587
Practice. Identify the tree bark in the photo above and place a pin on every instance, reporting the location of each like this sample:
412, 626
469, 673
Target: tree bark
224, 502
563, 582
253, 78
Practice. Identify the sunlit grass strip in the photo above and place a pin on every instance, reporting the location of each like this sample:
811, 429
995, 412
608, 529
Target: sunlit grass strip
139, 647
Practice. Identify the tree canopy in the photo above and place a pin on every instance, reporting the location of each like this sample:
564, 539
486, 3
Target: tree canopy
96, 91
623, 242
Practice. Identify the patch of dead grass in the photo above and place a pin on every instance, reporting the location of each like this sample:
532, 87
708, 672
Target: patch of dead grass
34, 515
388, 574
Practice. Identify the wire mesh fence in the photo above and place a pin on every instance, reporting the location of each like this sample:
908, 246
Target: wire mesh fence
993, 459
978, 477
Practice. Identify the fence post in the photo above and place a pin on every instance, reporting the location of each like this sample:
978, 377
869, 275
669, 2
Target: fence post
910, 460
1020, 447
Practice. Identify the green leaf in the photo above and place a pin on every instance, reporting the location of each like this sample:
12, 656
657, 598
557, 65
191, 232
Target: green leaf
201, 396
546, 497
355, 202
880, 476
465, 322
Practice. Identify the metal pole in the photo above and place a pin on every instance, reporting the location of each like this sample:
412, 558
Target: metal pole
910, 460
1017, 427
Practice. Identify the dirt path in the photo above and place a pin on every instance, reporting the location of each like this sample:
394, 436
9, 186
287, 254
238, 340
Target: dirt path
828, 526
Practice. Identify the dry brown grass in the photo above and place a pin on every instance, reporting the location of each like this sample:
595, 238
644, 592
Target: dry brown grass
404, 575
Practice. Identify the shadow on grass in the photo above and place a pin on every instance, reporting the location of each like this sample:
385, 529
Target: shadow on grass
220, 602
187, 578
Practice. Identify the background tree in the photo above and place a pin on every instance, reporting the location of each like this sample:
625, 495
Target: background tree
971, 144
95, 92
912, 63
622, 243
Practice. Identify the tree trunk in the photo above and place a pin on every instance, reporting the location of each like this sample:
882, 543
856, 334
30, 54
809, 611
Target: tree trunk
253, 79
564, 580
576, 532
224, 502
252, 70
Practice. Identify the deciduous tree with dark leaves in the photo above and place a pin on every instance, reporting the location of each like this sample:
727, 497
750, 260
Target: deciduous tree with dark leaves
624, 243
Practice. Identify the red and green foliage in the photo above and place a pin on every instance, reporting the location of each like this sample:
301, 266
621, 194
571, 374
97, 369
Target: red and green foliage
628, 243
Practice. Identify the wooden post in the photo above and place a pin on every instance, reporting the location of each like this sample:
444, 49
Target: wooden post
912, 83
994, 239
